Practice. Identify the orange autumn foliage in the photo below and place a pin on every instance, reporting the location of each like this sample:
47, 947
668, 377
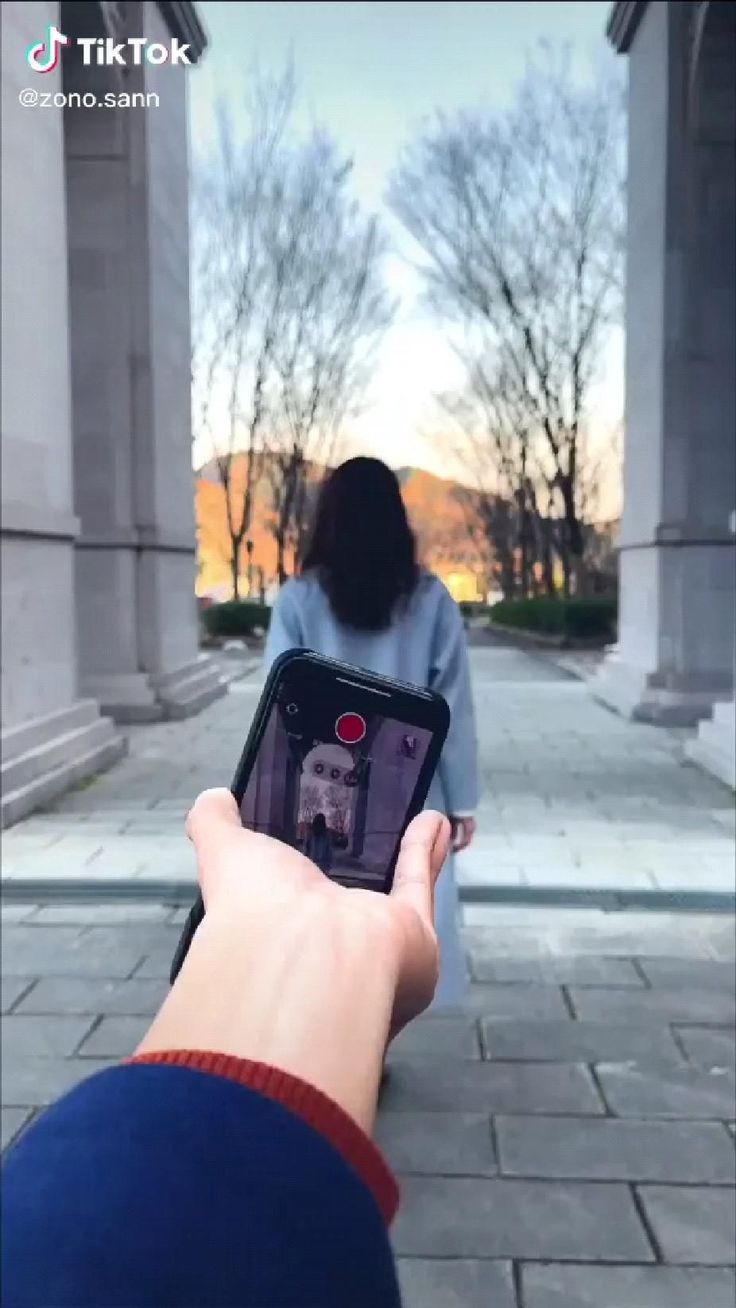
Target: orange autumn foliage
439, 518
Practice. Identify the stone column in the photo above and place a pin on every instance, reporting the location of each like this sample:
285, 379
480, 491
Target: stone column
127, 182
674, 657
714, 748
50, 736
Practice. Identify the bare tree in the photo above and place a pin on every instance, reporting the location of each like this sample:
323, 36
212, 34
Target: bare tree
519, 219
238, 288
469, 436
289, 302
332, 314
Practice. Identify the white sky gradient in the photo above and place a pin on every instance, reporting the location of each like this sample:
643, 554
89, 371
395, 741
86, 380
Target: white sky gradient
371, 72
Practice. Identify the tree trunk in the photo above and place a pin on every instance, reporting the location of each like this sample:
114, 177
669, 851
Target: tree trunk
573, 530
566, 570
280, 551
524, 544
234, 560
548, 571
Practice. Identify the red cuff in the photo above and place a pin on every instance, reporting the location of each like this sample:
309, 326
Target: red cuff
309, 1103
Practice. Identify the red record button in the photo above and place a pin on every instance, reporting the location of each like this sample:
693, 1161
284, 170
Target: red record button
350, 728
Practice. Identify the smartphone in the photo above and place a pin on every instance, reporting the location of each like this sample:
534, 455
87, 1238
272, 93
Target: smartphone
337, 763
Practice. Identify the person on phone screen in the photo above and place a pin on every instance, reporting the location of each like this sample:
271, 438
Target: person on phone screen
318, 845
362, 597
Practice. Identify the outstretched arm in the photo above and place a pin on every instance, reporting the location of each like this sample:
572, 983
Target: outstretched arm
229, 1164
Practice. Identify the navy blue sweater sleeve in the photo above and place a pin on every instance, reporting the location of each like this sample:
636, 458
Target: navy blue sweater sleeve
166, 1187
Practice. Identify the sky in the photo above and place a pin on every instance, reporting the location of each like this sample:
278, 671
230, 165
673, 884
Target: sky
371, 71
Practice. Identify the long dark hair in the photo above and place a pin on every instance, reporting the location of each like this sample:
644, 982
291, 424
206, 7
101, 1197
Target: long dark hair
362, 548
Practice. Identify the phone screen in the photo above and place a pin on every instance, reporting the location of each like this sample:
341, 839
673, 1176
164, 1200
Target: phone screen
335, 776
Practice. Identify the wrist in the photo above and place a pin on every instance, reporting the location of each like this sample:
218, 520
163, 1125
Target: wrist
308, 989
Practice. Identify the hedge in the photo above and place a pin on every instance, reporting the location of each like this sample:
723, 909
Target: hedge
573, 619
235, 618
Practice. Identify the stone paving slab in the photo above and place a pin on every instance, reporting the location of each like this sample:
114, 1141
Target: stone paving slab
579, 1042
440, 1144
674, 974
67, 951
12, 913
439, 1037
686, 1092
555, 971
546, 1285
456, 1283
455, 1217
442, 1087
511, 1002
575, 934
156, 966
693, 1224
24, 1037
606, 1149
139, 996
100, 914
708, 1046
114, 1037
653, 1006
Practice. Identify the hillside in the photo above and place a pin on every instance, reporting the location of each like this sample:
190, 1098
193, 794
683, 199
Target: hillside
438, 509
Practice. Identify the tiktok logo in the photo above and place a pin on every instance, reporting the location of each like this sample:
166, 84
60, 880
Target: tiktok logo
44, 56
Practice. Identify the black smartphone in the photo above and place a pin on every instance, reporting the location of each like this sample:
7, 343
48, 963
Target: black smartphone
337, 763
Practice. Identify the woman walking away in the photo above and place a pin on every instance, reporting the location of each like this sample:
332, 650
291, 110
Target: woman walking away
318, 844
362, 598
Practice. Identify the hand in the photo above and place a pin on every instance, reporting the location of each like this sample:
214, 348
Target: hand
463, 830
243, 872
290, 969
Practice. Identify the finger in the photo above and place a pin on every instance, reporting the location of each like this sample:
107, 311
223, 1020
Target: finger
212, 814
441, 847
460, 838
423, 851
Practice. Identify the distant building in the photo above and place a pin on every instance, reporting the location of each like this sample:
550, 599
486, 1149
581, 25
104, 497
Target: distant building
97, 522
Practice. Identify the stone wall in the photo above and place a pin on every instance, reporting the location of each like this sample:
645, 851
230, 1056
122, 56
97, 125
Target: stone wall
38, 523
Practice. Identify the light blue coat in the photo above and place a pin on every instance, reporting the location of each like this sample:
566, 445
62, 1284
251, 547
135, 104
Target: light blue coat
424, 645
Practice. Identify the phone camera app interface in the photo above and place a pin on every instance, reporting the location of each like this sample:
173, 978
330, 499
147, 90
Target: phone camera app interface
335, 782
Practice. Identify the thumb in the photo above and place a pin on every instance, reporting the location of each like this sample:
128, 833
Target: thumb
213, 815
423, 851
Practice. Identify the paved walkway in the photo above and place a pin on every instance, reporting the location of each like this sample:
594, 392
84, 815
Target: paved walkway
575, 799
564, 1142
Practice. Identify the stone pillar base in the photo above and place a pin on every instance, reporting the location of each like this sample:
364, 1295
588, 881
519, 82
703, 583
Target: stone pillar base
714, 749
634, 694
45, 756
151, 697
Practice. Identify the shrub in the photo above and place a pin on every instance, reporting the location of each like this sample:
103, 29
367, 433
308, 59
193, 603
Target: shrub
235, 618
582, 618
